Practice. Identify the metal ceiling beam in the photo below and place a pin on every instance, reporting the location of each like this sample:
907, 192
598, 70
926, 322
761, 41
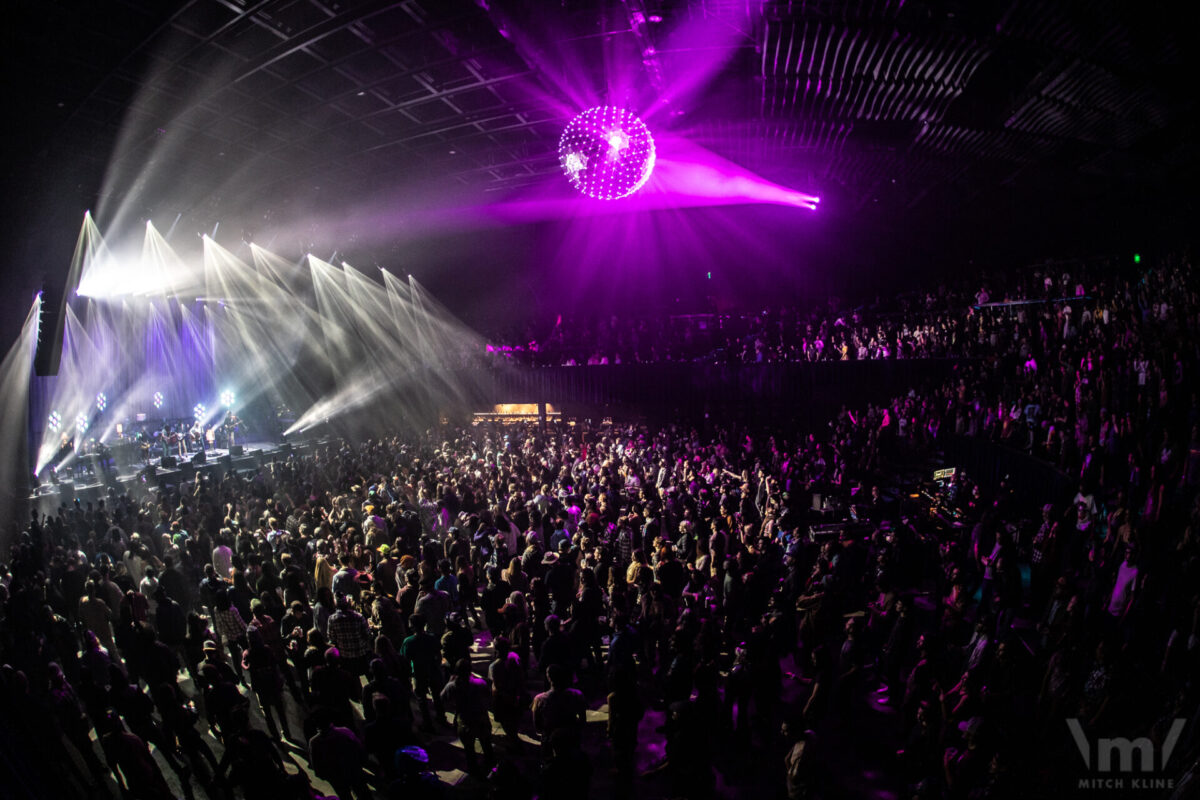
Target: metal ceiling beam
343, 21
316, 33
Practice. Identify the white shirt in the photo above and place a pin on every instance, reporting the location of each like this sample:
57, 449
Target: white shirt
135, 565
148, 587
222, 559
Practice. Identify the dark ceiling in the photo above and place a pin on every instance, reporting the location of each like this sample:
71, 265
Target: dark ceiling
1033, 125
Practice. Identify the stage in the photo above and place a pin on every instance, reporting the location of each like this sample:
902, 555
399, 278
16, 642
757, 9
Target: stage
90, 478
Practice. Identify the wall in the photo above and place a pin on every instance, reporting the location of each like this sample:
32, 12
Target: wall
808, 393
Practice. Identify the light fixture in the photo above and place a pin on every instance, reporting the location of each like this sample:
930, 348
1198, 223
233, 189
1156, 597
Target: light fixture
606, 152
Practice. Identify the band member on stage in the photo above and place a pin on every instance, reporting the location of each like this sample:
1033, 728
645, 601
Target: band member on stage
164, 440
229, 427
197, 434
174, 441
142, 447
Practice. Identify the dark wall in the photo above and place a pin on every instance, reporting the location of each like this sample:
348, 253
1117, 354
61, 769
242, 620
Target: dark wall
808, 394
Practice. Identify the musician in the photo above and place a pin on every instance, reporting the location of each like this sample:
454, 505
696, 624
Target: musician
99, 456
164, 439
142, 447
229, 427
173, 441
197, 434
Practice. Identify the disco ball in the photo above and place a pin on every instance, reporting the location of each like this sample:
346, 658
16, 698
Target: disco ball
158, 399
606, 152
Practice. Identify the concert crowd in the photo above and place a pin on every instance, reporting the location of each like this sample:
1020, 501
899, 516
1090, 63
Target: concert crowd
661, 610
975, 317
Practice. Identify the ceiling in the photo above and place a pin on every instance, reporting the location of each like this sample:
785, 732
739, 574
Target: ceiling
1012, 119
